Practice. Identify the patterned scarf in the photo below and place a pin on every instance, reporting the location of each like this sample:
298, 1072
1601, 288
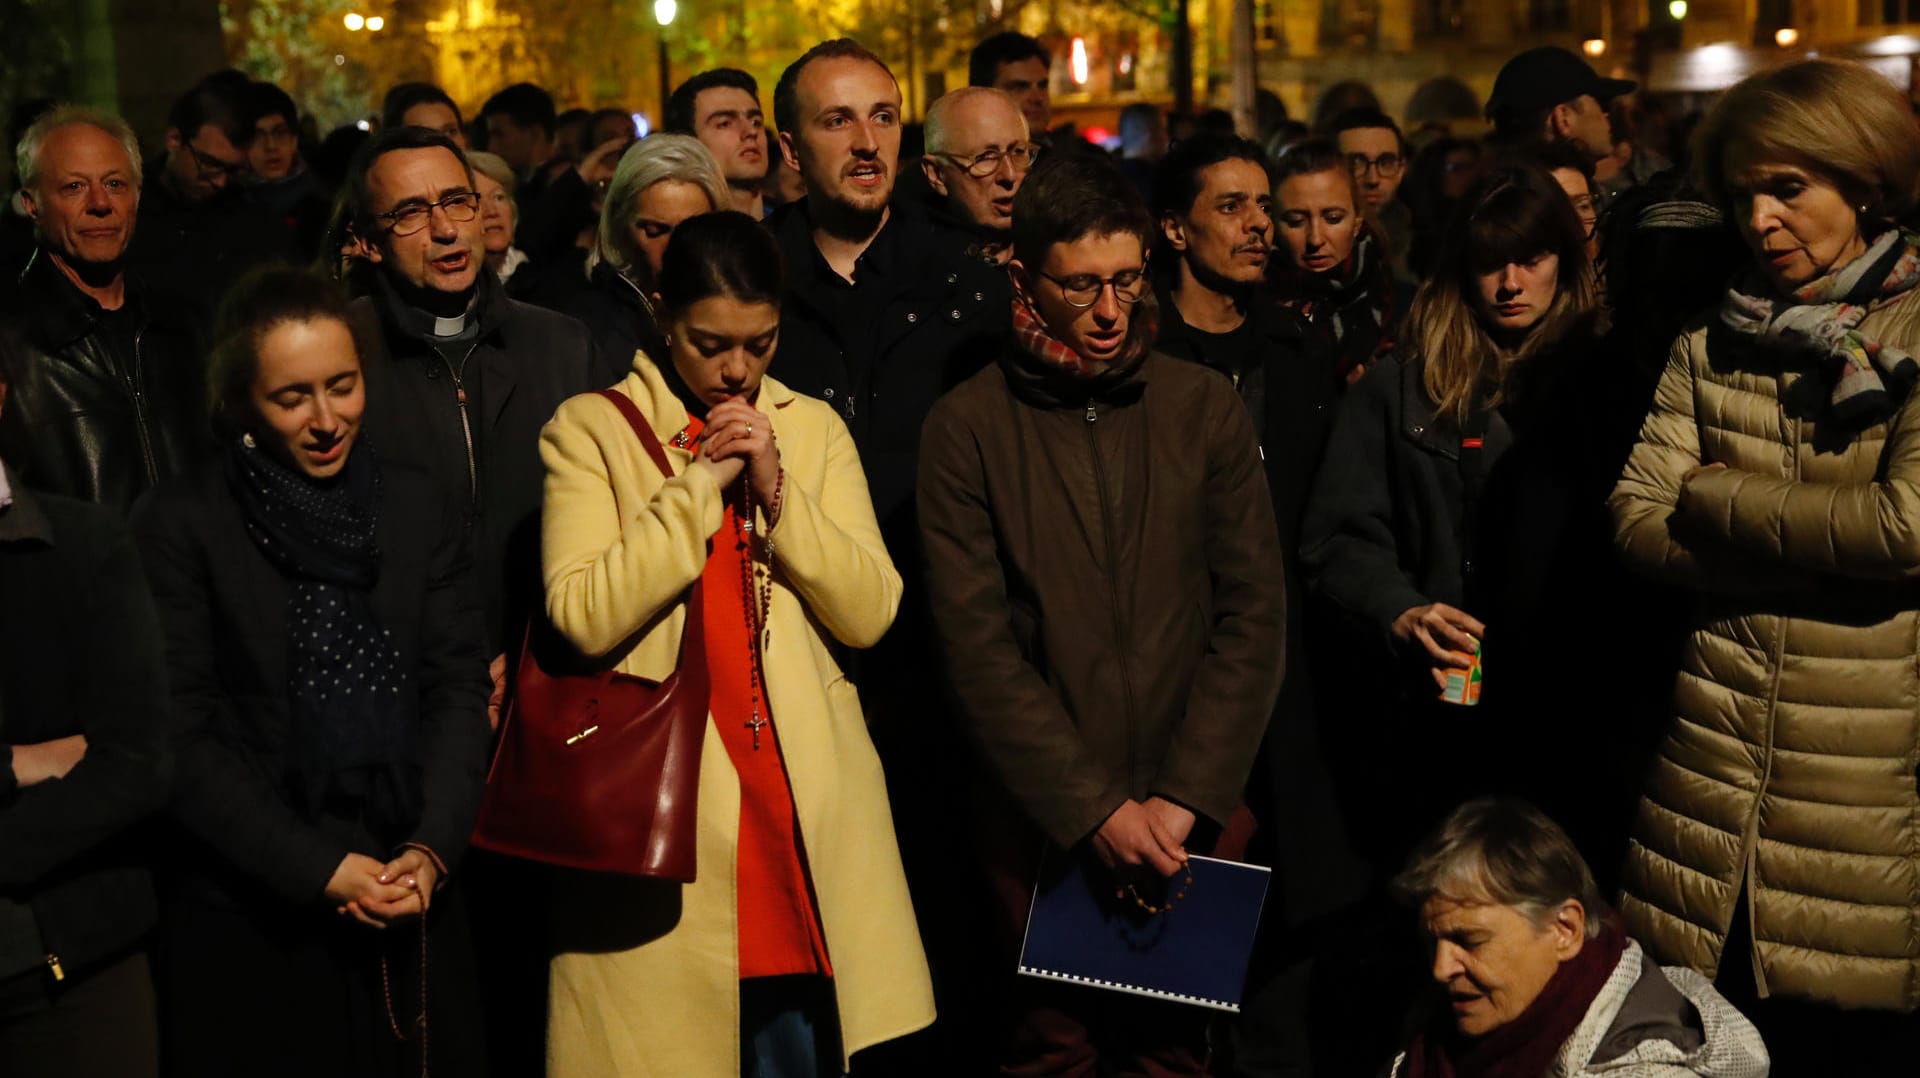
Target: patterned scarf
1354, 300
1030, 330
353, 741
1824, 316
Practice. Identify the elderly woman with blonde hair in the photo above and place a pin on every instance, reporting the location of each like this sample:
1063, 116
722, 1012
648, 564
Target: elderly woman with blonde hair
1777, 476
1534, 975
660, 181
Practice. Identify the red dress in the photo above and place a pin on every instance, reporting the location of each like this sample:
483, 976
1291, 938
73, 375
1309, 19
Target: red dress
779, 927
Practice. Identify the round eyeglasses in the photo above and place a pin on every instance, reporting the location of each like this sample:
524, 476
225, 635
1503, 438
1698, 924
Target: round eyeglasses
411, 218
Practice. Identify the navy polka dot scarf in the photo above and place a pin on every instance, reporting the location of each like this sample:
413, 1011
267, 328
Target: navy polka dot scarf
354, 738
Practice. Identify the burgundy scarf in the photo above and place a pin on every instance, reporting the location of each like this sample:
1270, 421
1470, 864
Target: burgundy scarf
1030, 330
1524, 1047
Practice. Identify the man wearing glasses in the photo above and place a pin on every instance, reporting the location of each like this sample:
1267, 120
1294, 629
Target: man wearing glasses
978, 152
460, 378
198, 231
1377, 156
1105, 576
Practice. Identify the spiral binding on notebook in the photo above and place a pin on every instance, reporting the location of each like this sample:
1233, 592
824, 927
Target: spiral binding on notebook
1116, 986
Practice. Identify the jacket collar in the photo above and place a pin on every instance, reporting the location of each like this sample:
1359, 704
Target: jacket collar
57, 312
404, 322
1267, 317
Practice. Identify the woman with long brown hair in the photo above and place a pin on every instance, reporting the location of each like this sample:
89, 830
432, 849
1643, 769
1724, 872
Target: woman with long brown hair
1399, 542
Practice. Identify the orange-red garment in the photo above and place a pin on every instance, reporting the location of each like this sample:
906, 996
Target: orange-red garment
779, 927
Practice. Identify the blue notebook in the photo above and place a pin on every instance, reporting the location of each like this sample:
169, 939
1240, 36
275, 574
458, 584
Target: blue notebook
1196, 952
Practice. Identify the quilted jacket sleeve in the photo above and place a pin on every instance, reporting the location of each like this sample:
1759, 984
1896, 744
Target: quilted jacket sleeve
1869, 530
1646, 502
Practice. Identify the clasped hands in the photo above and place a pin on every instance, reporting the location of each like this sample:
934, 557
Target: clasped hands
377, 894
739, 437
1143, 836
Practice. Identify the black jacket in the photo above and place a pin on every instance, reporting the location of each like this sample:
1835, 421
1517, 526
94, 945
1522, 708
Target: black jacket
525, 361
621, 322
192, 252
80, 653
224, 607
103, 405
923, 319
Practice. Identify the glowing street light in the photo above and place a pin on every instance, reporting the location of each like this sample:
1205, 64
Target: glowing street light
375, 24
354, 20
1594, 47
1677, 9
1786, 37
664, 11
1078, 61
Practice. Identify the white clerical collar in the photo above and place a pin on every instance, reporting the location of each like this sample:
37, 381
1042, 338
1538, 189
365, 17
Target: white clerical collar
450, 327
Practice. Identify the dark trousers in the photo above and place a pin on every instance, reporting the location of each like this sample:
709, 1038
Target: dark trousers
98, 1024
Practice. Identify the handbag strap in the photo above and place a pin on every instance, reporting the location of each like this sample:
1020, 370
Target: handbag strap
642, 429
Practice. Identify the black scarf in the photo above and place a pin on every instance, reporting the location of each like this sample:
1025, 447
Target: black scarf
354, 741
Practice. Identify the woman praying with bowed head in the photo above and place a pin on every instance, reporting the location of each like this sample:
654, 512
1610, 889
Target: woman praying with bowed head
796, 945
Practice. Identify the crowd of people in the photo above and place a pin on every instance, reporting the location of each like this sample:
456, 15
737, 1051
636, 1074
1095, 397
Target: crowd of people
1507, 540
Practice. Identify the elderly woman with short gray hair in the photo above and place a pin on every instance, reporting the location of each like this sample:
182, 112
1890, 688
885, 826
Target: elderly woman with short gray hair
661, 181
1539, 978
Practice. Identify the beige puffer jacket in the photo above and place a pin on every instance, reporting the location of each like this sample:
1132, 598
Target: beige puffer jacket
1790, 765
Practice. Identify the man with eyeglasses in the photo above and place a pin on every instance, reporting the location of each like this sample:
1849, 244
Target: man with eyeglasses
978, 152
280, 181
460, 378
1376, 154
198, 231
1105, 579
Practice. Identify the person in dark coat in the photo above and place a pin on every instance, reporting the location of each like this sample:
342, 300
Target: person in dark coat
329, 696
1105, 577
883, 313
460, 380
106, 398
1335, 273
1214, 213
281, 182
199, 232
83, 760
660, 182
1409, 536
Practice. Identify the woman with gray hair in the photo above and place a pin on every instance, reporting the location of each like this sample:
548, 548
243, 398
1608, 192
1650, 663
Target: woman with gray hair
660, 181
1539, 977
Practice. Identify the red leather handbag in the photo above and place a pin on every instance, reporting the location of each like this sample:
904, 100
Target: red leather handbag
597, 770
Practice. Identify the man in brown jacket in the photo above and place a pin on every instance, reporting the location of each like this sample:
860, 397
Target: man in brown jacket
1106, 583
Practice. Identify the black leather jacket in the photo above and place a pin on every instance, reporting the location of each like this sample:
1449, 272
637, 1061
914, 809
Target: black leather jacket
103, 404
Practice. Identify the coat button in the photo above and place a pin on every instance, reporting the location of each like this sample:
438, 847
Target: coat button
954, 314
829, 393
953, 278
912, 317
1418, 430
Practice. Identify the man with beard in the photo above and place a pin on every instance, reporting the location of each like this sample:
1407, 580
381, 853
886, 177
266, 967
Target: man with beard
721, 108
198, 231
1102, 565
883, 313
106, 395
978, 151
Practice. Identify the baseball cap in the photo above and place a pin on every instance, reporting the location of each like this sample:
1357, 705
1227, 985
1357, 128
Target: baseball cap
1538, 79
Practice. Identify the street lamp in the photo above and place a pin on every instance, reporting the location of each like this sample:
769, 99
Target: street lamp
1077, 65
375, 24
354, 21
663, 13
1677, 9
1786, 37
1594, 47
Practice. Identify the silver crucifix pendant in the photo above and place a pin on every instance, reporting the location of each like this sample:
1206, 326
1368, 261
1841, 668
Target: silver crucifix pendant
755, 724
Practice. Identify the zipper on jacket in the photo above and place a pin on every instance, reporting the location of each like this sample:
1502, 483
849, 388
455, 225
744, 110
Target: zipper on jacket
457, 374
54, 967
140, 424
1113, 587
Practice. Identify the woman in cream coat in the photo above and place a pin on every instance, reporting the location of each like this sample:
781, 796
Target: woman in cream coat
656, 979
